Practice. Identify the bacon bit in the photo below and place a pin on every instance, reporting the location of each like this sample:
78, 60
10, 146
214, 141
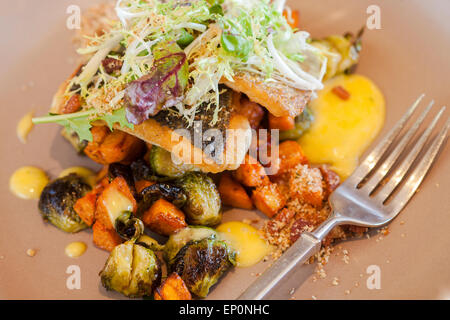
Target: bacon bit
73, 105
341, 93
111, 65
298, 227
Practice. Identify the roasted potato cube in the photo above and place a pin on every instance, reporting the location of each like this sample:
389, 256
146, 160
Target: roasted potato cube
305, 184
164, 218
173, 288
281, 123
251, 173
233, 194
115, 199
110, 147
291, 155
268, 199
104, 238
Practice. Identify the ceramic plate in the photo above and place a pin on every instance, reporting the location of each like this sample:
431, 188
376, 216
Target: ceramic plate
406, 57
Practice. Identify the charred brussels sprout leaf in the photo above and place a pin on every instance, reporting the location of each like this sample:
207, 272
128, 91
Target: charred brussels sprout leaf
302, 124
132, 270
182, 237
129, 227
201, 264
161, 190
57, 201
163, 165
203, 205
120, 170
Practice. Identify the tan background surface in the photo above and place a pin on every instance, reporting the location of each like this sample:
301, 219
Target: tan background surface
407, 57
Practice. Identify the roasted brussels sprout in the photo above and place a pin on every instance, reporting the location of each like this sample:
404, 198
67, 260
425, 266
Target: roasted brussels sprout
302, 124
161, 190
342, 52
201, 264
132, 270
182, 237
120, 170
57, 201
203, 205
162, 164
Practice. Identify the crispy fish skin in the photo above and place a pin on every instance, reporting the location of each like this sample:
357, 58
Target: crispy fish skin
279, 100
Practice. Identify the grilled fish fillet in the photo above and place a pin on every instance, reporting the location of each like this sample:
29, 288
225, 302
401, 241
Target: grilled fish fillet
279, 100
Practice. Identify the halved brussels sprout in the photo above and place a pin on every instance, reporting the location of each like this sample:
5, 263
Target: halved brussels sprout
182, 237
132, 270
162, 164
203, 206
302, 124
74, 140
342, 52
201, 264
57, 201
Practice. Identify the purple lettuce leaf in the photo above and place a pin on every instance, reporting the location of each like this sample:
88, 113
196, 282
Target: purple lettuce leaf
163, 87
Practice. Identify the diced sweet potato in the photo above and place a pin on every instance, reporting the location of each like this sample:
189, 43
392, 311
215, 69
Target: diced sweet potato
85, 207
104, 238
331, 180
119, 192
164, 218
281, 123
111, 147
251, 173
305, 184
173, 288
252, 111
268, 199
233, 193
142, 184
291, 155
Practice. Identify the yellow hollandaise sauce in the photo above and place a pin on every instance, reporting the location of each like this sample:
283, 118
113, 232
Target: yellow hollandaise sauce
28, 182
88, 175
246, 240
25, 126
344, 128
75, 249
116, 203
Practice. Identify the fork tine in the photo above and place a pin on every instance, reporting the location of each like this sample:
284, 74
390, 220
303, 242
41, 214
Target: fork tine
369, 163
416, 177
399, 148
401, 171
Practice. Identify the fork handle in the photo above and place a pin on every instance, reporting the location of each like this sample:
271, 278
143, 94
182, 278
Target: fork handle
285, 271
282, 272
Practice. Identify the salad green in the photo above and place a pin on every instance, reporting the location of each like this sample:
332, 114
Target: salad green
198, 43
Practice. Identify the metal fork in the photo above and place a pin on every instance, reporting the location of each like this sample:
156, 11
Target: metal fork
355, 201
